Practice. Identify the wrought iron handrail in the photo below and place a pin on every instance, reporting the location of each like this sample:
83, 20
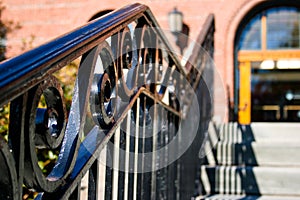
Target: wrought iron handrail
127, 125
31, 67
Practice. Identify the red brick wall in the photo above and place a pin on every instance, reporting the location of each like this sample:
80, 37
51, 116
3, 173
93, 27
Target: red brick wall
46, 19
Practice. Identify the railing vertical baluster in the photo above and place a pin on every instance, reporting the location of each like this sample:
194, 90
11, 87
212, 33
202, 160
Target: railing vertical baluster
159, 155
93, 182
131, 159
16, 136
140, 161
116, 150
101, 167
148, 151
164, 157
154, 147
142, 149
145, 124
148, 161
177, 166
177, 170
76, 193
181, 87
171, 178
84, 187
122, 155
136, 150
108, 174
127, 151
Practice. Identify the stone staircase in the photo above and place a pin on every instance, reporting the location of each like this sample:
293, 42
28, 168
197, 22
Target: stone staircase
258, 161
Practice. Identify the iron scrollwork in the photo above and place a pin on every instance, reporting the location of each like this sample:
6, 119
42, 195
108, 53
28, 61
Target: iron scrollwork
129, 81
44, 128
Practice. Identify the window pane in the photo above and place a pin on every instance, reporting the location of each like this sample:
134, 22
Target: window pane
251, 35
275, 93
282, 28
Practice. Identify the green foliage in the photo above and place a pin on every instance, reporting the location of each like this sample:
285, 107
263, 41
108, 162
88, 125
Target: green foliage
67, 76
47, 159
27, 44
28, 194
4, 121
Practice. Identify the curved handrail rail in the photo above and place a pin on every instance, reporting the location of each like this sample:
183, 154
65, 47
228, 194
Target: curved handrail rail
202, 41
31, 67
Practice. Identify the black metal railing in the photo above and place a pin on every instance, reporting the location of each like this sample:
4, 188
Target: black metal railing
135, 121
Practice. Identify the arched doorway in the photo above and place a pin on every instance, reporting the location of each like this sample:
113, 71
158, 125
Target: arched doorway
267, 69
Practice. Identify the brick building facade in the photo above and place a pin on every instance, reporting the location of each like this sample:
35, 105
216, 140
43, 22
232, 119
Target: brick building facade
47, 19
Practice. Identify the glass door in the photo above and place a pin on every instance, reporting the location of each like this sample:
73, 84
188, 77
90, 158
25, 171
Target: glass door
275, 91
269, 91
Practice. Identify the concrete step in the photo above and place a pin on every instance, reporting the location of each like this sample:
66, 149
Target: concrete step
258, 154
251, 180
245, 197
260, 132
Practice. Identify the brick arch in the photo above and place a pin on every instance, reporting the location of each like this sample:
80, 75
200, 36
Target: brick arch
232, 28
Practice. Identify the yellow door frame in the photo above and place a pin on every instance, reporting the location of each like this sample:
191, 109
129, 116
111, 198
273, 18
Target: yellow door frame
244, 108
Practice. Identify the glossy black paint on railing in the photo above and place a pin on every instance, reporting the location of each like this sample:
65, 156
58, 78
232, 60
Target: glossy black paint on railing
131, 97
